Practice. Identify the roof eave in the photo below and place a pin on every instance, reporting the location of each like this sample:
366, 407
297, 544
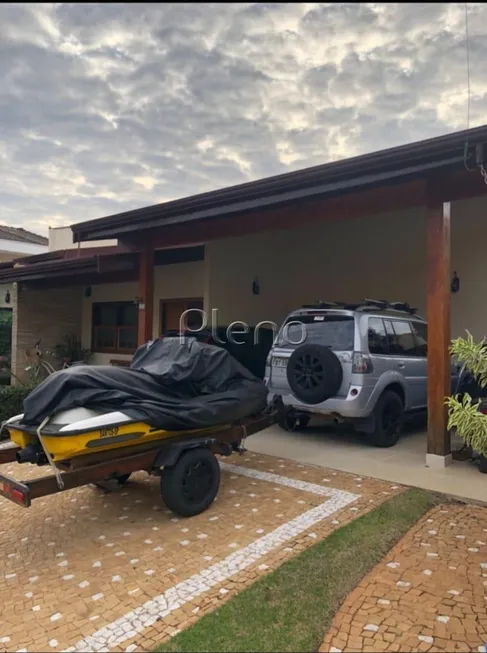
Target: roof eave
160, 219
335, 177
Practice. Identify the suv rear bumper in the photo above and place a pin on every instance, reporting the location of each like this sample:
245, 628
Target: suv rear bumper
350, 407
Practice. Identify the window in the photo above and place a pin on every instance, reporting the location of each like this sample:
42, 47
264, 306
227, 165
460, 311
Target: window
115, 327
405, 342
420, 330
391, 337
334, 331
378, 341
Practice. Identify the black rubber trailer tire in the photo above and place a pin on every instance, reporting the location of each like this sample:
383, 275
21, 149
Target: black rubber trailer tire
389, 420
190, 486
314, 373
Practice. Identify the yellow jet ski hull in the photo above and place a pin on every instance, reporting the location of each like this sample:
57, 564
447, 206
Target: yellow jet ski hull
65, 446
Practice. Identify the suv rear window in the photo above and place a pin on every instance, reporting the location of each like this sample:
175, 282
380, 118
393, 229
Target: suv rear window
334, 331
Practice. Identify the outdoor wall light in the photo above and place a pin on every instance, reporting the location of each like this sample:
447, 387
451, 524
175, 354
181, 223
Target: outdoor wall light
7, 297
88, 291
256, 286
455, 283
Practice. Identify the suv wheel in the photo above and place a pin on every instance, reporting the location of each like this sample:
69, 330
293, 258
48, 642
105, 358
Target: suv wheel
314, 373
389, 420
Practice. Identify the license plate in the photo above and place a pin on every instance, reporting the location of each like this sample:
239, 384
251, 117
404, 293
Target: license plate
109, 433
279, 362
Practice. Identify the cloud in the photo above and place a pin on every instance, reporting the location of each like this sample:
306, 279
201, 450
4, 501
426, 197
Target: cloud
107, 107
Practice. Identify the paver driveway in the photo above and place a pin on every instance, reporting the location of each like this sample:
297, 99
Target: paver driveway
85, 570
428, 594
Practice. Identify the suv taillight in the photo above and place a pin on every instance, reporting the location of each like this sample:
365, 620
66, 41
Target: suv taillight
361, 363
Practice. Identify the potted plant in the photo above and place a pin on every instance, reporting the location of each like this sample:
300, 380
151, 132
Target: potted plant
468, 415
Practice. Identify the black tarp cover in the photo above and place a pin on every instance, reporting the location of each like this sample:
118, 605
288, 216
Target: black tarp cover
171, 384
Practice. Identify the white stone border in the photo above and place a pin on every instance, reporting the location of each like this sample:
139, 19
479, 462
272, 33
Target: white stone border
136, 621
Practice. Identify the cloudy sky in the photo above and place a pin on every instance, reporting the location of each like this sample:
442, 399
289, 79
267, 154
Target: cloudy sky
107, 107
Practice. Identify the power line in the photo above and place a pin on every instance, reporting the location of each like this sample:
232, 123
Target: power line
467, 53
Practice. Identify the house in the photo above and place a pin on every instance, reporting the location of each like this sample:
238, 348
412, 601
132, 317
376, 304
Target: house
14, 242
395, 224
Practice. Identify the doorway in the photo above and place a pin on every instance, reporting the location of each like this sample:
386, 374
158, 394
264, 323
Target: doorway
172, 309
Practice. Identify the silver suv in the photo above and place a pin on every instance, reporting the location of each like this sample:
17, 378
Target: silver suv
364, 364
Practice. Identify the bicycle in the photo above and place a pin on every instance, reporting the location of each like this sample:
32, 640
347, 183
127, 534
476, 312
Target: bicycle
39, 368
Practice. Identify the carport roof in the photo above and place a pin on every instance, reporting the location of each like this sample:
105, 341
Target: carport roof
450, 152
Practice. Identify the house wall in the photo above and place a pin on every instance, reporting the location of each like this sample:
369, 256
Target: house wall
170, 282
469, 260
62, 238
379, 257
384, 256
10, 256
4, 288
49, 315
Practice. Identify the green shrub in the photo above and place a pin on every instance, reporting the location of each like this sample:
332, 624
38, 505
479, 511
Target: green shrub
463, 412
12, 400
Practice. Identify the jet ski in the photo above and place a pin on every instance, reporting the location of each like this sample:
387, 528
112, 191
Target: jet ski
82, 431
172, 388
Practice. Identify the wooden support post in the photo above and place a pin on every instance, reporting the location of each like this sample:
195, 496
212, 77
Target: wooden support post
438, 315
146, 295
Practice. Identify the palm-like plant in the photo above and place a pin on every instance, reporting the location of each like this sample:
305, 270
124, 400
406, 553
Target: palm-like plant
463, 411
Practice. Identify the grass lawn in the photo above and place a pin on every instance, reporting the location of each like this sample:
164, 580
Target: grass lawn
292, 608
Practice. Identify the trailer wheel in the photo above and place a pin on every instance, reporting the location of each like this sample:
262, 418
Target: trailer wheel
191, 485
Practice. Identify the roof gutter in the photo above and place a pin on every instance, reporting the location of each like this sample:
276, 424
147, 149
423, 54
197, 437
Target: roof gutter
47, 270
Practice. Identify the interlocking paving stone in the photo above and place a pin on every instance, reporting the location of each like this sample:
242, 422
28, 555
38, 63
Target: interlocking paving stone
133, 574
419, 602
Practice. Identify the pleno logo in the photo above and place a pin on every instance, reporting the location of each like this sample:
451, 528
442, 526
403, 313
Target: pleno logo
240, 328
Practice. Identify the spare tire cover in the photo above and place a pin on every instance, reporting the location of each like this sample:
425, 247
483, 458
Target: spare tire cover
314, 373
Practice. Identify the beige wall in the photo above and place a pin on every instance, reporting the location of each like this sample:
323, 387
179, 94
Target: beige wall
62, 238
10, 256
336, 260
170, 282
379, 257
469, 259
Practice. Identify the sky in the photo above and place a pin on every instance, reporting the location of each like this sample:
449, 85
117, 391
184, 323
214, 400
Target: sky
109, 107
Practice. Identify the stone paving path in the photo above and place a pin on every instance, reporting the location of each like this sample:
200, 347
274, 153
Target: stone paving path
428, 594
85, 570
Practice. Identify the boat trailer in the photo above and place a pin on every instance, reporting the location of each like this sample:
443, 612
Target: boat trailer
187, 466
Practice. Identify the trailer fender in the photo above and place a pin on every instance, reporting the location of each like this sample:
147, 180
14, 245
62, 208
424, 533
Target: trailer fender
169, 456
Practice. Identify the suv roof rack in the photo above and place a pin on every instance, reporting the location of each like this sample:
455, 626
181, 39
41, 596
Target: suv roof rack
383, 304
366, 304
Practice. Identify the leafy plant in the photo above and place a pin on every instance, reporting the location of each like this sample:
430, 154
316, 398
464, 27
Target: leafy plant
12, 400
463, 411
